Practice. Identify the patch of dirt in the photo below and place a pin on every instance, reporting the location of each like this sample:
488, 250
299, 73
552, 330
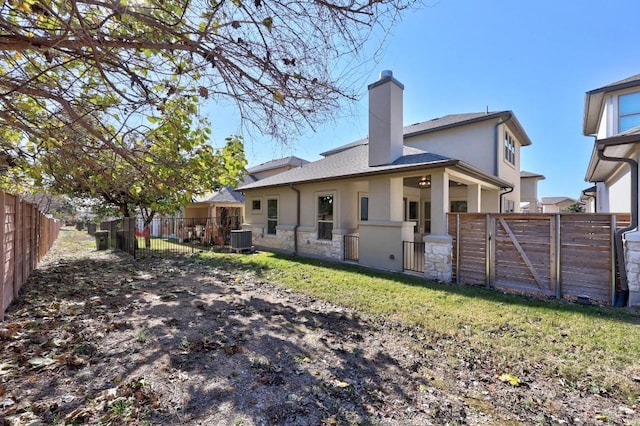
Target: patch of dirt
99, 338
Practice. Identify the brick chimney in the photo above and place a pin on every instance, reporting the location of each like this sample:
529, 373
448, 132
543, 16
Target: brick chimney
385, 120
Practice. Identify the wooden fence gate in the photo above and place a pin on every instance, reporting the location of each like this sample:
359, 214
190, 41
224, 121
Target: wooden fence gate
561, 255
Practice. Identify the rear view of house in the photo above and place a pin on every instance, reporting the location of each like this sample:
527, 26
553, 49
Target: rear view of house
396, 185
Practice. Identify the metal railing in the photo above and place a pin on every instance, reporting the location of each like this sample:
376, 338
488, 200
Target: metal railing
350, 248
413, 256
168, 236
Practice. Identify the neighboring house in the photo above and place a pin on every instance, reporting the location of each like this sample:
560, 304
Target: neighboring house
396, 185
529, 192
557, 204
588, 199
215, 214
612, 117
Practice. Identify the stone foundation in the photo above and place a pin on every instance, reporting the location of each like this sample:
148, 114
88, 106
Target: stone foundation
437, 257
308, 242
632, 260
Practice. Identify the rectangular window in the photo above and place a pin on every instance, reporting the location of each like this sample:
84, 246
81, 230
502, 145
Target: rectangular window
427, 217
325, 217
629, 111
509, 206
256, 204
458, 207
364, 208
272, 216
509, 149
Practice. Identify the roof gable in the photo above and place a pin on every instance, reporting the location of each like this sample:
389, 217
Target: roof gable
594, 102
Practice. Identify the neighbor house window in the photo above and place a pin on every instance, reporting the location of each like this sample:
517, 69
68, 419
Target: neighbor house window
256, 204
629, 110
364, 208
509, 149
272, 216
325, 217
509, 206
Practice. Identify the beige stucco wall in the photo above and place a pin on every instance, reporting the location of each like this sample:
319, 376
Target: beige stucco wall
619, 187
473, 144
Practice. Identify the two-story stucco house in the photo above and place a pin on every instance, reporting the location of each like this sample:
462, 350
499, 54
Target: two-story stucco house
396, 185
529, 192
612, 117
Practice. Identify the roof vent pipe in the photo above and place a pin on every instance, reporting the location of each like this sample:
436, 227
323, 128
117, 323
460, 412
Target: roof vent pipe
386, 73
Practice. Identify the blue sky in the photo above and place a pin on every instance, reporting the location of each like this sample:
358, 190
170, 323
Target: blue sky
536, 58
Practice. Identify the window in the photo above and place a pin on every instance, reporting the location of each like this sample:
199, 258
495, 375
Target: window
427, 217
364, 208
509, 149
458, 207
325, 217
509, 206
411, 213
272, 216
629, 111
256, 204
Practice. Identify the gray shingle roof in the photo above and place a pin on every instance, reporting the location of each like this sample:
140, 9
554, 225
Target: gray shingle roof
347, 163
441, 123
292, 161
594, 99
556, 200
634, 80
526, 174
353, 162
225, 195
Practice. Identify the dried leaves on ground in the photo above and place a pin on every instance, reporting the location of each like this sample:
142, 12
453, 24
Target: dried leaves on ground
100, 338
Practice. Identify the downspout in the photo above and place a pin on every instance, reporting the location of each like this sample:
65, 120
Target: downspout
502, 194
297, 225
497, 140
622, 299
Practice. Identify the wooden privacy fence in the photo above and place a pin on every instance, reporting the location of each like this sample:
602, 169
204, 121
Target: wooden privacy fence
562, 255
27, 235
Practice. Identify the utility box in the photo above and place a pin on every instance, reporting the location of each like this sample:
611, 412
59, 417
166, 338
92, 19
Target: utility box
241, 240
102, 240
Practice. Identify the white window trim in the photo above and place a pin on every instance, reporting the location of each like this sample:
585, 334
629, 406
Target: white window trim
361, 195
335, 210
512, 140
277, 199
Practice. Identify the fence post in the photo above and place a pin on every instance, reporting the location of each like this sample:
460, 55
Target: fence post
17, 250
3, 250
487, 255
558, 258
457, 248
614, 226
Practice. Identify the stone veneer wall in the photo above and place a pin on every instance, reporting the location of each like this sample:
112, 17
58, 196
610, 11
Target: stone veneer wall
632, 260
308, 243
437, 257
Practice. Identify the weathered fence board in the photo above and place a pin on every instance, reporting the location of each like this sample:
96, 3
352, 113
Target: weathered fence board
567, 255
26, 235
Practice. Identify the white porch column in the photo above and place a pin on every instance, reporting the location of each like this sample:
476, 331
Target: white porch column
381, 237
474, 198
439, 202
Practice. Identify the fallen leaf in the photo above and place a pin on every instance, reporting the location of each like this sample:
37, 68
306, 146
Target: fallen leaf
5, 368
509, 378
342, 384
39, 362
